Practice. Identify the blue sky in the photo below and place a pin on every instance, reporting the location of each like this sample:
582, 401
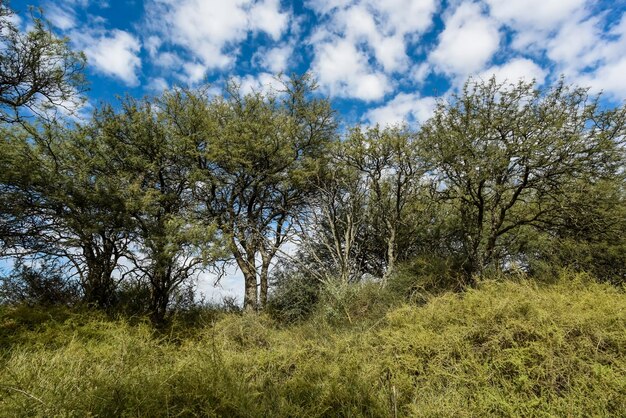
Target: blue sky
379, 61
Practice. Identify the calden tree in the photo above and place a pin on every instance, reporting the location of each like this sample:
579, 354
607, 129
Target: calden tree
505, 156
152, 149
259, 162
38, 70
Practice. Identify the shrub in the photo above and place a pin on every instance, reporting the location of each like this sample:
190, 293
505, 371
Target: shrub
44, 286
294, 296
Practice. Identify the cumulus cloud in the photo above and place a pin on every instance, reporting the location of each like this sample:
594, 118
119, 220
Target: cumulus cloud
157, 84
112, 52
608, 78
467, 42
210, 31
405, 107
344, 71
275, 59
371, 37
535, 14
596, 59
570, 56
266, 16
515, 70
261, 82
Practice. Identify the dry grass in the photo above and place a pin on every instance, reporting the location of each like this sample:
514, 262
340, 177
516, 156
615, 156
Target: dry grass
504, 349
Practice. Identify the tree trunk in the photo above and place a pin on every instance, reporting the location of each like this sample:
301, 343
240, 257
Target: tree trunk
159, 295
250, 295
248, 268
98, 286
264, 284
158, 308
391, 252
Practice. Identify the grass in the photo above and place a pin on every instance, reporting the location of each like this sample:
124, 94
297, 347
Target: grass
503, 349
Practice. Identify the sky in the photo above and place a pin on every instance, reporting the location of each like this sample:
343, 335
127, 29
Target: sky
378, 61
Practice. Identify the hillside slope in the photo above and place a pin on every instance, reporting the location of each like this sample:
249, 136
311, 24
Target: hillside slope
504, 349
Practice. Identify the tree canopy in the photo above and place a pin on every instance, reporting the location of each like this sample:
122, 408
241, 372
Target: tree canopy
145, 196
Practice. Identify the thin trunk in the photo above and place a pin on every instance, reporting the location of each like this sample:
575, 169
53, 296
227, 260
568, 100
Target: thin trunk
264, 279
391, 252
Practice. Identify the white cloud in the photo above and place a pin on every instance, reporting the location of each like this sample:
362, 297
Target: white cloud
157, 84
62, 18
193, 72
535, 14
211, 30
515, 70
262, 82
581, 49
326, 6
168, 60
152, 44
360, 44
275, 59
572, 56
344, 71
405, 107
467, 43
266, 16
608, 78
114, 53
419, 72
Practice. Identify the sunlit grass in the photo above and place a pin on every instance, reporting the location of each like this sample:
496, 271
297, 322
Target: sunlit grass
504, 349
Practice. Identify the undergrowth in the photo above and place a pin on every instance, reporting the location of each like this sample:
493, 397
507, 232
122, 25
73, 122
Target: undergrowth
502, 349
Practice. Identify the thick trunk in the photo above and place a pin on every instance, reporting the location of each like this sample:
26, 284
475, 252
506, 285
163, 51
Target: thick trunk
160, 293
158, 306
98, 285
250, 295
248, 268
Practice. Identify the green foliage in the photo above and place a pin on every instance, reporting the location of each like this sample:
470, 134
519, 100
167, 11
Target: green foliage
38, 71
505, 348
43, 286
353, 303
423, 276
294, 296
506, 158
259, 160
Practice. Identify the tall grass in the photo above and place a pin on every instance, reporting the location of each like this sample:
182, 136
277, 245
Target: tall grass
503, 349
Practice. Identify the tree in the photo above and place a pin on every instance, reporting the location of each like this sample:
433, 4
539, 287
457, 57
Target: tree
388, 160
335, 233
505, 157
590, 234
38, 71
260, 159
60, 202
152, 147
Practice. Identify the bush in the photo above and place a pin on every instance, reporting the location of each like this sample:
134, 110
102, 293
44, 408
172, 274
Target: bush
423, 276
349, 303
294, 296
44, 286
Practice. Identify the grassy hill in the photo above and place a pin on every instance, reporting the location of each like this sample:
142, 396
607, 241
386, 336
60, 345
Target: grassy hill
503, 349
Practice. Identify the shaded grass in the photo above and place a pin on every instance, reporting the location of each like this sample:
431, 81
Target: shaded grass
503, 349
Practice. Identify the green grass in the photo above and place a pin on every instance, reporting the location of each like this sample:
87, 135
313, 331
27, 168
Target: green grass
503, 349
